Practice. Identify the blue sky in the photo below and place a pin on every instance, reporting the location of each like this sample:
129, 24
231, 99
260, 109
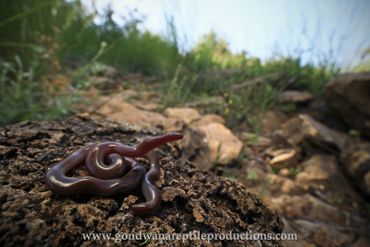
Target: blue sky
314, 29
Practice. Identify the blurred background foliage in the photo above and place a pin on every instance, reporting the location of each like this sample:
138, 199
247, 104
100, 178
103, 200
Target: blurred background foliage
44, 44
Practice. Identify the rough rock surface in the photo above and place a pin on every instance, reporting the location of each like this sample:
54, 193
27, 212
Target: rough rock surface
349, 96
115, 108
273, 120
187, 115
303, 127
223, 144
219, 143
356, 161
195, 149
354, 154
193, 200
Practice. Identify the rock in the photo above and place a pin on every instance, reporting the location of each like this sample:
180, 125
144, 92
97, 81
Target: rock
349, 96
283, 157
290, 206
117, 109
191, 117
296, 97
187, 115
308, 207
134, 78
288, 186
224, 146
362, 242
367, 180
356, 161
103, 83
255, 140
272, 120
317, 169
195, 148
281, 185
322, 211
317, 234
301, 128
107, 71
255, 175
150, 106
311, 215
143, 100
354, 155
290, 226
284, 172
207, 119
193, 200
210, 126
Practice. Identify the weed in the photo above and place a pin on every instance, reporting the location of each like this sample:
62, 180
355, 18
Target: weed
180, 88
338, 200
294, 171
276, 170
264, 189
252, 176
68, 38
354, 133
25, 96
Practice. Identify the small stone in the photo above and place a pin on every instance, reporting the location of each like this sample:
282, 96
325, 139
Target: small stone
224, 146
283, 157
207, 119
284, 172
293, 96
255, 140
288, 186
187, 115
317, 169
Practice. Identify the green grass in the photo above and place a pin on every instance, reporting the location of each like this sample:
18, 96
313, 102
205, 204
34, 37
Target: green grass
57, 37
247, 86
23, 95
252, 176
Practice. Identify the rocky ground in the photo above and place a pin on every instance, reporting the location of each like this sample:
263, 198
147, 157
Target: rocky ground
193, 200
311, 165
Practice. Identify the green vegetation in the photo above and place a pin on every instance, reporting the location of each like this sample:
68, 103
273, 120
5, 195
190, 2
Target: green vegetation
247, 85
25, 96
49, 49
364, 65
265, 188
252, 176
294, 171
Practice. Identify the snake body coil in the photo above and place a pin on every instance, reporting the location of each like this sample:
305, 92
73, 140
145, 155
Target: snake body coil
113, 170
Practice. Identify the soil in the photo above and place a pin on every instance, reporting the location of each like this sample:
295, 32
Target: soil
193, 200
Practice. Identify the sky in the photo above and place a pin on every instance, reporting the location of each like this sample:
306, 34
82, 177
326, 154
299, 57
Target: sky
316, 30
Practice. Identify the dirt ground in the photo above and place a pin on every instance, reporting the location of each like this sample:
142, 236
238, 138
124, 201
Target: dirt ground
193, 200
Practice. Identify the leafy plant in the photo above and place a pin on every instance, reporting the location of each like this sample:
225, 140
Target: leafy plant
24, 95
